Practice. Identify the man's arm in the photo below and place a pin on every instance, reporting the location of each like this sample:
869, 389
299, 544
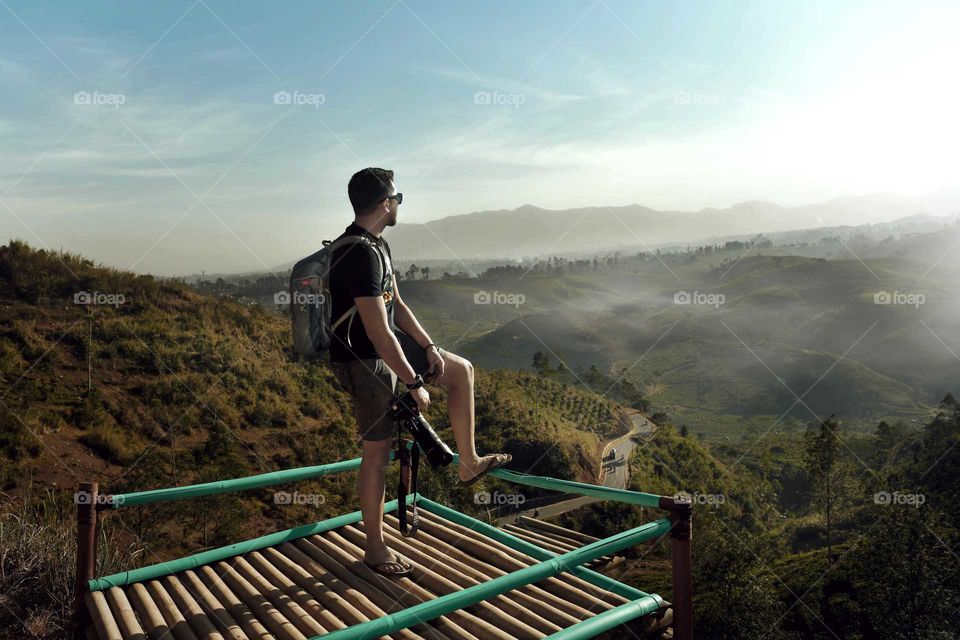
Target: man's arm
405, 320
373, 313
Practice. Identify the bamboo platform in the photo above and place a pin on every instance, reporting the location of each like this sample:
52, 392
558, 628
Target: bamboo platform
471, 581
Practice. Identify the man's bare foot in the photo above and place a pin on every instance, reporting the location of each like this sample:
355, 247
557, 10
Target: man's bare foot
382, 555
470, 468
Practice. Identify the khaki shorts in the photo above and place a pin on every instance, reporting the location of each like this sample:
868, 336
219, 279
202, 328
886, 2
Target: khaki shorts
372, 386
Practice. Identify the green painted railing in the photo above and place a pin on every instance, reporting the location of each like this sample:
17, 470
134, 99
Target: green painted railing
306, 473
582, 488
236, 484
604, 621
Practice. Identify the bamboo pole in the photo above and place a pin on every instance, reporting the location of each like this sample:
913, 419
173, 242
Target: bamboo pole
332, 554
557, 529
324, 594
86, 502
126, 618
518, 603
681, 534
196, 617
549, 605
335, 561
540, 540
598, 585
402, 589
236, 607
338, 581
265, 610
300, 595
146, 608
509, 560
217, 610
289, 606
430, 575
176, 621
102, 619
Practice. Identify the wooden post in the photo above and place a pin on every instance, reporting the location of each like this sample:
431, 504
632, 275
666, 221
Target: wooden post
681, 534
86, 501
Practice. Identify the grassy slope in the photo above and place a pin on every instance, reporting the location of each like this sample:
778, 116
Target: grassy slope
184, 384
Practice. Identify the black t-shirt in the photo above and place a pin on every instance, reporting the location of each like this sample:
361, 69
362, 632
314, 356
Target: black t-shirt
357, 270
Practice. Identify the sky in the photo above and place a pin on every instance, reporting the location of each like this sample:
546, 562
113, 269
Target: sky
174, 137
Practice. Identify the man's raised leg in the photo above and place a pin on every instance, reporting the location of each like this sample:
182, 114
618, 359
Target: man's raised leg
458, 378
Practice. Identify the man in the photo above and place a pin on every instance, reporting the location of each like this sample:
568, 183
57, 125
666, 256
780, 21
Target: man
388, 343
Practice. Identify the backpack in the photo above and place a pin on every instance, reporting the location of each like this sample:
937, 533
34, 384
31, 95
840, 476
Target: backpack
311, 304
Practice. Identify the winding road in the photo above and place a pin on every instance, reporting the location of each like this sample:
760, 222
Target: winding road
615, 473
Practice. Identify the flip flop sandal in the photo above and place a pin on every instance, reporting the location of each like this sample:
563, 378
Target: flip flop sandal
389, 573
499, 460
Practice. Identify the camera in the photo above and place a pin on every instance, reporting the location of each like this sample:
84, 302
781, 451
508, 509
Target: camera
408, 416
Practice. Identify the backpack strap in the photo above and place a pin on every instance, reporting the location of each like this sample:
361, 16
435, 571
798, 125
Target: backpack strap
352, 311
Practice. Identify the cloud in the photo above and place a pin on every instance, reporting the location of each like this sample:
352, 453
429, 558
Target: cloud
227, 54
507, 85
13, 71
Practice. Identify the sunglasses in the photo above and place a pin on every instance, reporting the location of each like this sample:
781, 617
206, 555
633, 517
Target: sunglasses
398, 196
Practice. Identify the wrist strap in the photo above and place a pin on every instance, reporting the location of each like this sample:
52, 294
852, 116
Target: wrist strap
432, 344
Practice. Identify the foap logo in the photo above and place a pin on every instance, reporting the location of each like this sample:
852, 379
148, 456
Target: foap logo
496, 498
287, 498
98, 298
299, 298
498, 297
298, 98
715, 499
899, 298
695, 97
497, 98
886, 498
98, 99
85, 497
699, 297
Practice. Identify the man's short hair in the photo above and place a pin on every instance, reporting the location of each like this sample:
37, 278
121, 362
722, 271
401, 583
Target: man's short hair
368, 187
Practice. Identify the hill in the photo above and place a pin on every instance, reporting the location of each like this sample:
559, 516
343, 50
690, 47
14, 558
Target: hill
784, 332
154, 384
532, 231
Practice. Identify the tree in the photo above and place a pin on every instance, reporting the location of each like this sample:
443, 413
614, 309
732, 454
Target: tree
887, 438
541, 362
217, 518
948, 401
822, 462
907, 592
736, 592
150, 471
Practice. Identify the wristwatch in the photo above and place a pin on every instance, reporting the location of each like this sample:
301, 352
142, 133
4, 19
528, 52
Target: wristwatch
416, 384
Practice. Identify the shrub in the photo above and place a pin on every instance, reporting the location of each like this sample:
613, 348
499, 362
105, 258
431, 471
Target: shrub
37, 561
111, 443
